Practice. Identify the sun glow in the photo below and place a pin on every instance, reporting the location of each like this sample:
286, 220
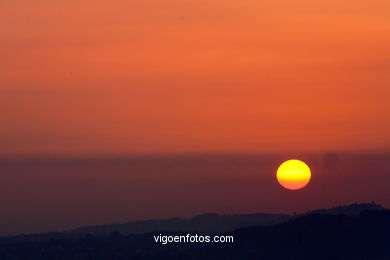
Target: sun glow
293, 174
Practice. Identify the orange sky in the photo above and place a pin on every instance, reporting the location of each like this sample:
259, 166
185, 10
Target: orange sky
177, 76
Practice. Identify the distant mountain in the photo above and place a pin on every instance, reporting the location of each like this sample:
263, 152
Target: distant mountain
206, 223
214, 223
320, 234
348, 210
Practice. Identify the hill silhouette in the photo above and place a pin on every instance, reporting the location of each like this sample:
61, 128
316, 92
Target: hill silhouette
215, 223
349, 210
346, 232
206, 223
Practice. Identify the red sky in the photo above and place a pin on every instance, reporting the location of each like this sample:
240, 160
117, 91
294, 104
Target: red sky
142, 77
174, 76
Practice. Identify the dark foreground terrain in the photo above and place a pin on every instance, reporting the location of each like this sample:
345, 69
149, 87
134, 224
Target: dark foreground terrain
341, 233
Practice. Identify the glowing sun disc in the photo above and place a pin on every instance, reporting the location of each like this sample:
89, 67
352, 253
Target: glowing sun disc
293, 174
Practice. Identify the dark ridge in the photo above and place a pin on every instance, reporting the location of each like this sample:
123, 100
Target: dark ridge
365, 236
349, 210
206, 223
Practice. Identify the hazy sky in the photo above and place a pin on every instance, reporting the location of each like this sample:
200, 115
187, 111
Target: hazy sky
51, 195
188, 76
174, 76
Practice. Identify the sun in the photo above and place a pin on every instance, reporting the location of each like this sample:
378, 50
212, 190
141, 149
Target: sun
293, 174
